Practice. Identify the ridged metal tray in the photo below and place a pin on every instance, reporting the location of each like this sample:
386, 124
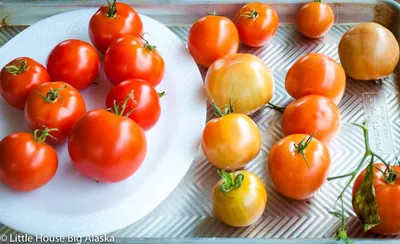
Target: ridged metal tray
187, 212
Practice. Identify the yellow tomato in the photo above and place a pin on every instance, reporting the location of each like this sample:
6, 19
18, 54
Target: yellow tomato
242, 78
239, 199
368, 51
231, 141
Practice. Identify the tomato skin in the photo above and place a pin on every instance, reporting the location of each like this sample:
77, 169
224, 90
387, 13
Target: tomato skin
211, 38
75, 62
16, 88
388, 200
26, 165
315, 19
231, 142
243, 206
312, 113
256, 33
128, 57
316, 74
242, 79
61, 114
107, 147
289, 172
103, 30
145, 107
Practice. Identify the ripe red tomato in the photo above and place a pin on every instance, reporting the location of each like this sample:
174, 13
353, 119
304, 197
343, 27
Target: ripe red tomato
26, 161
256, 23
107, 146
111, 21
75, 62
312, 114
143, 107
315, 19
212, 37
132, 57
294, 175
18, 78
55, 105
316, 74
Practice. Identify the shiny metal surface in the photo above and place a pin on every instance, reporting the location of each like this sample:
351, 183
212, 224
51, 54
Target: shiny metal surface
187, 213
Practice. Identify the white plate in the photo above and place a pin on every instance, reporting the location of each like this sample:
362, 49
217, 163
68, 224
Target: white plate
72, 204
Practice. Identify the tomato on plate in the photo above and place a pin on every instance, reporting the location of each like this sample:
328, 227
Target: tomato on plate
316, 74
239, 199
144, 106
26, 161
315, 19
75, 62
256, 23
107, 146
18, 78
298, 165
212, 37
312, 114
231, 141
242, 79
133, 57
55, 105
111, 21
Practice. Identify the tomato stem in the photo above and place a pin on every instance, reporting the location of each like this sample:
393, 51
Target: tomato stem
161, 94
250, 15
112, 9
280, 109
19, 66
147, 44
52, 95
342, 231
218, 112
120, 109
301, 147
230, 183
40, 136
317, 1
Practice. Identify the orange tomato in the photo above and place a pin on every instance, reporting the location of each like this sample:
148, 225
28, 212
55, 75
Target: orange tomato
312, 114
211, 38
316, 74
257, 23
298, 165
315, 19
239, 199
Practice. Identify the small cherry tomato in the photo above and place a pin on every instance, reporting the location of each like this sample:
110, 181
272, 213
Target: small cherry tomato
298, 166
111, 21
239, 199
256, 23
316, 74
55, 105
231, 141
387, 195
312, 114
26, 161
18, 78
131, 57
143, 107
107, 146
211, 38
315, 19
75, 62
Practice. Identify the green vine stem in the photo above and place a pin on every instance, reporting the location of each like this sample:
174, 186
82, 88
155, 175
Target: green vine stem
112, 9
52, 95
219, 113
120, 109
147, 44
342, 231
278, 108
301, 147
250, 15
19, 66
318, 1
40, 136
161, 94
230, 182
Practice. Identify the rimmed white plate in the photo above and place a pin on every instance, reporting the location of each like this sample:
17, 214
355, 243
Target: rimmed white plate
72, 204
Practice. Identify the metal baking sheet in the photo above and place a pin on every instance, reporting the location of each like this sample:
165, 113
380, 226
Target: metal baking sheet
187, 212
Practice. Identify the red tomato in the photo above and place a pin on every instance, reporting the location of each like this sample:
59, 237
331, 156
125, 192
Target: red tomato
312, 114
55, 105
387, 194
256, 23
144, 107
18, 78
112, 21
211, 38
26, 161
131, 57
106, 146
315, 19
75, 62
316, 74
